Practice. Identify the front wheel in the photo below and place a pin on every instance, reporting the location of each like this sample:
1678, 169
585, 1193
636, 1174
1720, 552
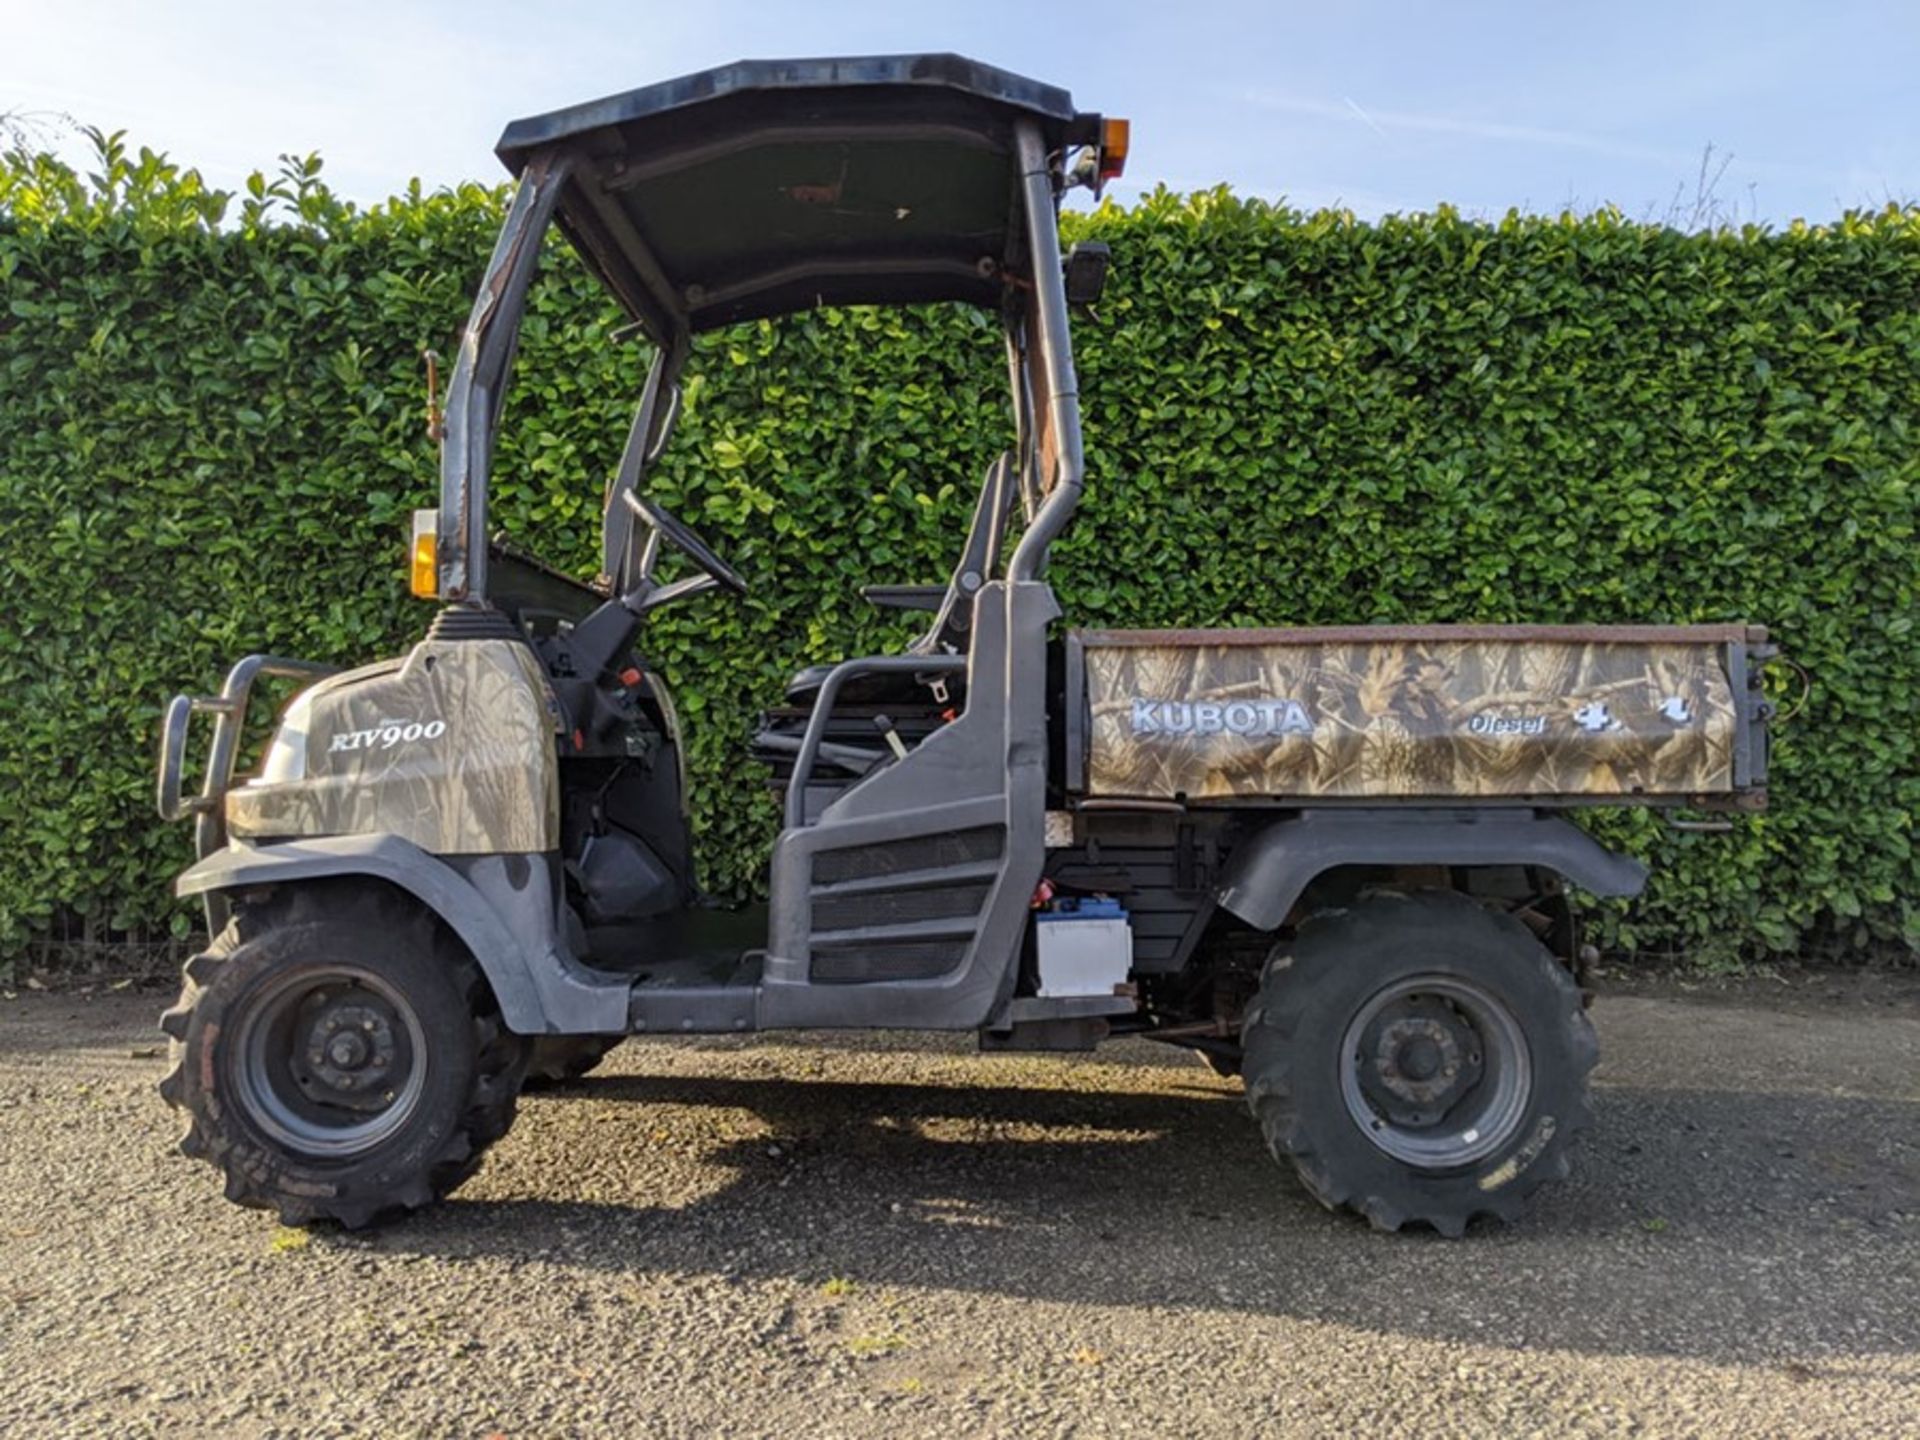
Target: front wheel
1419, 1059
339, 1057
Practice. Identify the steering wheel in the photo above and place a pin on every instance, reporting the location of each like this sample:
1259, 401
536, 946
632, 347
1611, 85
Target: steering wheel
686, 539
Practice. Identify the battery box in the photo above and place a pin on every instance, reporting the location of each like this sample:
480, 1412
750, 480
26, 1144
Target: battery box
1084, 947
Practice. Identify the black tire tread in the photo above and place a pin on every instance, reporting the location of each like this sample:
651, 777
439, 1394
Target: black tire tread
500, 1060
1274, 1018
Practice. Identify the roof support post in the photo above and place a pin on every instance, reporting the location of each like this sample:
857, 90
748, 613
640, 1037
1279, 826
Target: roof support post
1025, 479
657, 410
1050, 336
478, 383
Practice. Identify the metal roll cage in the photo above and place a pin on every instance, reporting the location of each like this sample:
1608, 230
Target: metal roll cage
1045, 391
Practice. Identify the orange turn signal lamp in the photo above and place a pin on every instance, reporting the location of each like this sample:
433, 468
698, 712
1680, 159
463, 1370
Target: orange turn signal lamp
423, 559
1114, 137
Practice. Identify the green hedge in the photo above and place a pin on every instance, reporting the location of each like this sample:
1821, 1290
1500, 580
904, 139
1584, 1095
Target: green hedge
210, 436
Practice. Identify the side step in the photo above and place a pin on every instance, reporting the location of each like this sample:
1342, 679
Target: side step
693, 1010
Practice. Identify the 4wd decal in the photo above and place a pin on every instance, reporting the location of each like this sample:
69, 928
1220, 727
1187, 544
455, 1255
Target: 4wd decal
1676, 709
1595, 718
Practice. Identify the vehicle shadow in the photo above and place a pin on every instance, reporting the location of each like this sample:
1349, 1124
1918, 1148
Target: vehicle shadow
1733, 1227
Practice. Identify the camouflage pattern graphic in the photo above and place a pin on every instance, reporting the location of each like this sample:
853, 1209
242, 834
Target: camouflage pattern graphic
451, 748
1425, 716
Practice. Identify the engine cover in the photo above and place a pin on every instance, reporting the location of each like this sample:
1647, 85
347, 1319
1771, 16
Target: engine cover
451, 748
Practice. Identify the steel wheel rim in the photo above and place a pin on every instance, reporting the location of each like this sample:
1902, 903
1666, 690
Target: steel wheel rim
308, 1115
1463, 1123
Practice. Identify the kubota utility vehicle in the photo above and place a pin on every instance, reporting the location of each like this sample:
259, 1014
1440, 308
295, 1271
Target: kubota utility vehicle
1329, 860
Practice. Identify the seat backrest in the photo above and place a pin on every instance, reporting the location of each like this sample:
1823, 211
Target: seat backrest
952, 628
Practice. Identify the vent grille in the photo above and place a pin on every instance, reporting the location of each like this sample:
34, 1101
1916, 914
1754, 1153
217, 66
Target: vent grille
927, 852
923, 960
893, 907
917, 911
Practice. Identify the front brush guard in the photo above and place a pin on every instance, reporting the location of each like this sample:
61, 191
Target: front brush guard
229, 708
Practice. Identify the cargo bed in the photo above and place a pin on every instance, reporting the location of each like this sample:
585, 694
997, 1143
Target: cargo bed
1576, 714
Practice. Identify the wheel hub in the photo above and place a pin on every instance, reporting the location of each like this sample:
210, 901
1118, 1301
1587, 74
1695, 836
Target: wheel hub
329, 1061
349, 1047
1423, 1057
1436, 1071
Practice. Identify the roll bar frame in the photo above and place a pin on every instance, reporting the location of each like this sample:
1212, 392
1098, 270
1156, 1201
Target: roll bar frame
1045, 389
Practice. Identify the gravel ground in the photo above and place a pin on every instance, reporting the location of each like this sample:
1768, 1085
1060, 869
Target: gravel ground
865, 1237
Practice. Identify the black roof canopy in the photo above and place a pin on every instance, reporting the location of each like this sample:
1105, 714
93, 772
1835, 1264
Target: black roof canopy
777, 185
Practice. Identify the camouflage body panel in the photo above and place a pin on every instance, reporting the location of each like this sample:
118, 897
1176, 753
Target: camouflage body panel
1429, 713
451, 748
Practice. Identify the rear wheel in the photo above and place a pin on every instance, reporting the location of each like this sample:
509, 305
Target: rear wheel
339, 1057
1419, 1058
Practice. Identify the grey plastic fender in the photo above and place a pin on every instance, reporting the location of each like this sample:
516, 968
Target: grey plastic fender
539, 987
1267, 873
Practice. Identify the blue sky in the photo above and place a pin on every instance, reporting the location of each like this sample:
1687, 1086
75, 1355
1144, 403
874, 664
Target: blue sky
1377, 105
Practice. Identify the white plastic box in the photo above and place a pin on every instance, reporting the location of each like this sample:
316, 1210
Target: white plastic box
1085, 947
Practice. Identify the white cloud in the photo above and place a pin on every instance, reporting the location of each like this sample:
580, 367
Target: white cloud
1384, 122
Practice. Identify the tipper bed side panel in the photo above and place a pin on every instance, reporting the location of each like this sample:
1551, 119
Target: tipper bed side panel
1427, 713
